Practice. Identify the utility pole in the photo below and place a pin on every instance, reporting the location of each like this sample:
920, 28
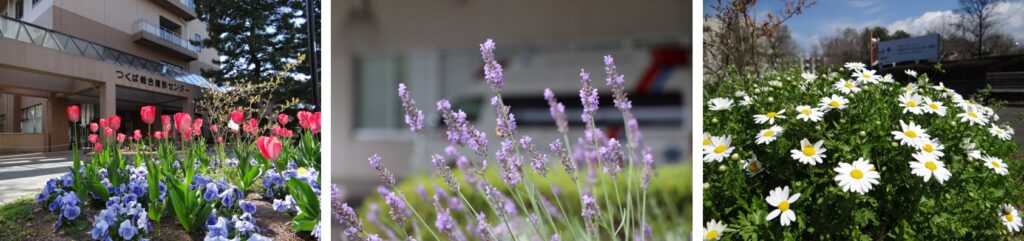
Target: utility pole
313, 59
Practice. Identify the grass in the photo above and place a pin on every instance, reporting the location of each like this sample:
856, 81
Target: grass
12, 216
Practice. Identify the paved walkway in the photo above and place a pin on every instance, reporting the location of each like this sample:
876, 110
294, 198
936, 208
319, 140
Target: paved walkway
23, 175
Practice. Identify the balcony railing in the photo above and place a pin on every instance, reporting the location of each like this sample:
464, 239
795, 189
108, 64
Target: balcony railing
142, 25
47, 38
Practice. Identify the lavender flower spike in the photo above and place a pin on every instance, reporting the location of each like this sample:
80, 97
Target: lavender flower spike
568, 164
445, 171
590, 211
588, 97
483, 228
557, 111
492, 69
616, 82
351, 226
613, 155
413, 115
383, 173
398, 209
540, 160
648, 166
512, 172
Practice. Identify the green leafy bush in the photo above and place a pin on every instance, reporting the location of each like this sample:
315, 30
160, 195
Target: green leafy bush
846, 147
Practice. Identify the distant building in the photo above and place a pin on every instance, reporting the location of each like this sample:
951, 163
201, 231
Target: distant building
108, 56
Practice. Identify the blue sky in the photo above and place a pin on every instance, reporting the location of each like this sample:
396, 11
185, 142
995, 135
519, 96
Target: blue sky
914, 16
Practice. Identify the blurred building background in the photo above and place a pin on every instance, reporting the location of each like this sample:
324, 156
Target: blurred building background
433, 47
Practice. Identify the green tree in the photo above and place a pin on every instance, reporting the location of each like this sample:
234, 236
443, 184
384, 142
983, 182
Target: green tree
257, 39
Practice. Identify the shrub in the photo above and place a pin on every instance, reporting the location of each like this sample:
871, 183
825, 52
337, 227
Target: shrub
852, 155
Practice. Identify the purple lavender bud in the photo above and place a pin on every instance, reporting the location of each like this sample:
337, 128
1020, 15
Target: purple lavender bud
616, 82
422, 192
590, 211
372, 237
613, 156
648, 168
478, 142
588, 97
540, 160
634, 131
567, 164
557, 111
398, 209
350, 223
492, 69
444, 222
445, 171
413, 115
382, 173
483, 228
554, 237
497, 199
512, 171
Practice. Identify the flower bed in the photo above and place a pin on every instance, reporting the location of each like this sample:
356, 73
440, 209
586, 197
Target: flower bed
134, 186
851, 155
602, 190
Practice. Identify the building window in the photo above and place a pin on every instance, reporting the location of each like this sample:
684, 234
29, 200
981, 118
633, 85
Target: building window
378, 73
35, 2
19, 9
197, 39
32, 119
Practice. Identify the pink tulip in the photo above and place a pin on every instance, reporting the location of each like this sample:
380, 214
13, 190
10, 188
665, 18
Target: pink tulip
104, 124
120, 137
74, 114
238, 116
282, 118
166, 121
115, 122
97, 147
270, 147
213, 128
304, 117
93, 127
138, 135
158, 135
314, 123
220, 139
93, 138
183, 121
148, 114
108, 132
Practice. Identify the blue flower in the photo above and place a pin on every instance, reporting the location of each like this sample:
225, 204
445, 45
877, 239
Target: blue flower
257, 237
99, 230
218, 229
227, 198
247, 207
127, 231
211, 192
71, 212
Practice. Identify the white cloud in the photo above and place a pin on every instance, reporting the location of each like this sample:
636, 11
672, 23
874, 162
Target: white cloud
1010, 20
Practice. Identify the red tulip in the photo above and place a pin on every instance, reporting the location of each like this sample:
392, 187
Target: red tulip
108, 132
198, 123
74, 114
138, 135
93, 138
115, 122
120, 137
183, 121
270, 147
282, 118
98, 147
158, 135
304, 117
104, 124
314, 123
93, 127
148, 114
238, 116
165, 120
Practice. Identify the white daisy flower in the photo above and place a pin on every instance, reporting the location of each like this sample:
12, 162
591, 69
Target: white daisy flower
887, 78
854, 66
720, 104
707, 140
911, 134
999, 132
927, 166
942, 88
931, 147
996, 164
972, 149
753, 166
746, 100
1010, 217
768, 135
833, 102
934, 107
912, 103
857, 177
719, 149
809, 114
809, 77
973, 115
775, 83
769, 117
781, 200
866, 76
846, 86
911, 72
713, 230
910, 88
809, 154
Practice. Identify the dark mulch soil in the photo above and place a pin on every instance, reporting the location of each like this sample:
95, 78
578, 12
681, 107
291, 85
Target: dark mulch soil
273, 224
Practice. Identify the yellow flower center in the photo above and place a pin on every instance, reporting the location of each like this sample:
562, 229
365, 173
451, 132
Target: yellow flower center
712, 234
707, 141
848, 85
806, 111
302, 171
972, 114
866, 76
856, 174
1009, 217
772, 114
934, 106
912, 103
753, 167
931, 165
873, 168
834, 104
769, 133
995, 164
910, 134
928, 147
809, 151
783, 206
720, 148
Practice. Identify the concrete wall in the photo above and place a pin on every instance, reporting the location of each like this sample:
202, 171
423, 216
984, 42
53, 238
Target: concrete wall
13, 143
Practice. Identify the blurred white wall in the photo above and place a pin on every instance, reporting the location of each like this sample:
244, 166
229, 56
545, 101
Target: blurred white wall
432, 46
